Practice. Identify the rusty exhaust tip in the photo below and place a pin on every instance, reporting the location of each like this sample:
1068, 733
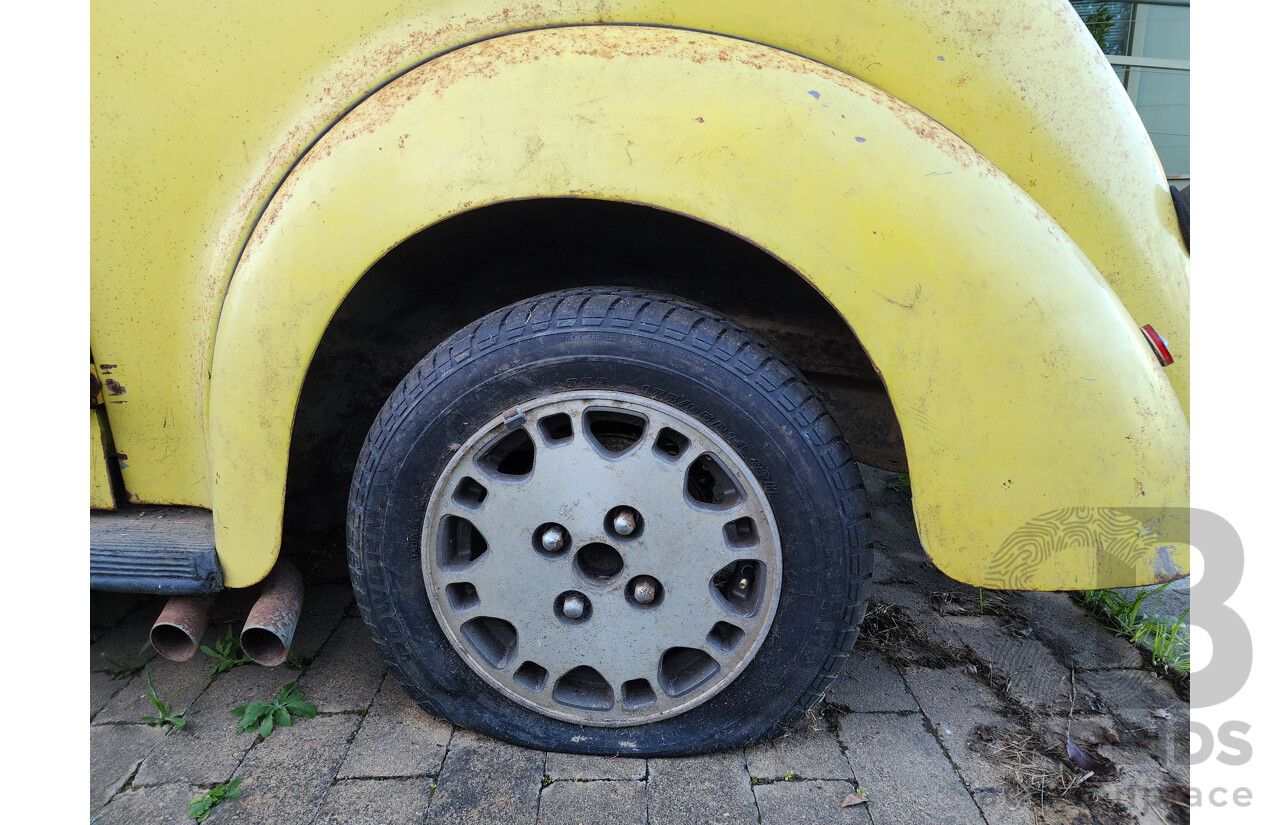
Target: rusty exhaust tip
268, 631
176, 633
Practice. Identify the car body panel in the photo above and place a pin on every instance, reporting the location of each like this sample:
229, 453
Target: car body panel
201, 111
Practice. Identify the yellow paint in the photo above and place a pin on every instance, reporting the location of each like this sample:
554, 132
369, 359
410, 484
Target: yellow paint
1004, 352
100, 497
198, 110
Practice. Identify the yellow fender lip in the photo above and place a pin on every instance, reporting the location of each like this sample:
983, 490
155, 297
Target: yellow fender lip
1021, 383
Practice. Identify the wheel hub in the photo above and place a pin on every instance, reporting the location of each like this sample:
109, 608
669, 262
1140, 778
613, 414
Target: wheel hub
601, 558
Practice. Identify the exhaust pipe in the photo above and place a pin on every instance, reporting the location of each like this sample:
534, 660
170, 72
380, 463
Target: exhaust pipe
268, 631
176, 633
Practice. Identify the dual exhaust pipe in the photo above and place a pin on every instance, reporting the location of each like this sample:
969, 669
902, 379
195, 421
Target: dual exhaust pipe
267, 632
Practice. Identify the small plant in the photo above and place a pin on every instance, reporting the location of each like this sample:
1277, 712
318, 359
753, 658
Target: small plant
300, 661
165, 714
789, 776
548, 780
200, 806
1168, 640
129, 669
266, 716
228, 654
901, 484
758, 780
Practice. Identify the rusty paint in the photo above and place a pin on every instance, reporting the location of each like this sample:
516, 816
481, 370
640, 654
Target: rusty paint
114, 387
268, 631
177, 631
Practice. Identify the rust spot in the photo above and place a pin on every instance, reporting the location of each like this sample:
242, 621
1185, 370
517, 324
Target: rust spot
106, 367
114, 387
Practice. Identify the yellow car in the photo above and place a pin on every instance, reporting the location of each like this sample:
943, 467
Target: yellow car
580, 315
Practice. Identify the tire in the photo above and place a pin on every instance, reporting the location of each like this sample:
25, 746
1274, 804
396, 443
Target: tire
560, 500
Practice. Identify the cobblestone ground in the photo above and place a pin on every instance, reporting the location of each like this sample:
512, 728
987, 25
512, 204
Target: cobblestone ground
955, 708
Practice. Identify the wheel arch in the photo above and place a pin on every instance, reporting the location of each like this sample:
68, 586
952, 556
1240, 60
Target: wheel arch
952, 276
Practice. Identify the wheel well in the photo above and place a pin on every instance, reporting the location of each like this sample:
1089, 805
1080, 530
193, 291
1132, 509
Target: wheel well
456, 271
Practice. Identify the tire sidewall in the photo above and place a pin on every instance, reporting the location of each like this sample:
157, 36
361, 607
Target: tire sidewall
421, 434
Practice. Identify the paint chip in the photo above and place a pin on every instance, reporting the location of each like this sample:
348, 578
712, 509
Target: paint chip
861, 139
943, 59
815, 94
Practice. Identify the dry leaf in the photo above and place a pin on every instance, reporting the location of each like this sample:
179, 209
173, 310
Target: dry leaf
1162, 713
1109, 735
1085, 761
853, 799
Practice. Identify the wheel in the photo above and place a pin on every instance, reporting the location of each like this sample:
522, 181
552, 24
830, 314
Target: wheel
607, 522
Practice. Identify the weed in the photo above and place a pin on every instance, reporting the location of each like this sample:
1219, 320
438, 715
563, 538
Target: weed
900, 484
547, 780
757, 780
789, 776
266, 716
165, 714
127, 669
1168, 640
300, 661
200, 806
228, 654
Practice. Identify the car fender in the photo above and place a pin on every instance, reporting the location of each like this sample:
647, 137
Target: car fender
1022, 385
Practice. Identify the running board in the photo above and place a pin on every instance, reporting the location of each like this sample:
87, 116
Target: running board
167, 550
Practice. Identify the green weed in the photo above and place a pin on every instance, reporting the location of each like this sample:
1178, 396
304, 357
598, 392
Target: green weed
1168, 640
267, 716
127, 669
228, 654
164, 712
200, 806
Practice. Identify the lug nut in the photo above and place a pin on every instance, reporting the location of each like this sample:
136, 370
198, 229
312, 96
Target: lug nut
645, 590
553, 539
574, 606
624, 522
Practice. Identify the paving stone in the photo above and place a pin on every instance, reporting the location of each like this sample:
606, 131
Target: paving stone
808, 803
1036, 678
915, 601
346, 673
397, 738
955, 702
904, 772
208, 749
1012, 809
376, 802
593, 803
176, 683
323, 607
1131, 696
869, 682
161, 805
712, 788
101, 689
1072, 632
805, 753
124, 642
287, 775
485, 782
1137, 786
114, 754
571, 766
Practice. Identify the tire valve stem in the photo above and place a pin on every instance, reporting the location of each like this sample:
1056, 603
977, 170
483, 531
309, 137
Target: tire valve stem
743, 584
624, 522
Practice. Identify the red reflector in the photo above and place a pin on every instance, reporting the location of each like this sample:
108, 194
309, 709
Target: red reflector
1158, 346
